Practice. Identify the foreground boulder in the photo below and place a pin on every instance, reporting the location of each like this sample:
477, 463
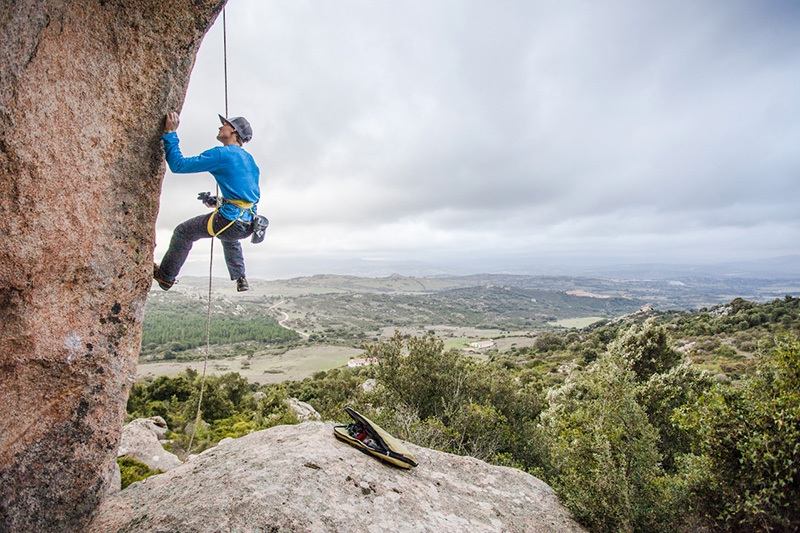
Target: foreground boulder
141, 440
84, 87
301, 479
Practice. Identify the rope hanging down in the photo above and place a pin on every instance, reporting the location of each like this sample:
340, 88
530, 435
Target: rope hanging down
211, 258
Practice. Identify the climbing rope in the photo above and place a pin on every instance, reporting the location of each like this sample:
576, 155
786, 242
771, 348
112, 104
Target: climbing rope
211, 255
225, 59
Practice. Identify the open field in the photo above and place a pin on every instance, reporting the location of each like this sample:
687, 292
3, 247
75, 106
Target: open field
577, 323
292, 365
299, 363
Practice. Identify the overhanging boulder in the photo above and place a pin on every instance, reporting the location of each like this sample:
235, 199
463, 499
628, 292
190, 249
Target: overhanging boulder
84, 86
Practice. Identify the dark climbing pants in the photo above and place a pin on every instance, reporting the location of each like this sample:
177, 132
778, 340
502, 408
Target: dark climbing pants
194, 229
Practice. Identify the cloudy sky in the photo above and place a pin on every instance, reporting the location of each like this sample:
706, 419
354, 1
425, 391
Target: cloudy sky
486, 136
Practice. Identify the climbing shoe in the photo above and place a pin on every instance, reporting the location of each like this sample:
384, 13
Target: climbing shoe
159, 277
242, 285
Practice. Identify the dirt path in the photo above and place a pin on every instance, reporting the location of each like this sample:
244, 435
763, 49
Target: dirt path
281, 322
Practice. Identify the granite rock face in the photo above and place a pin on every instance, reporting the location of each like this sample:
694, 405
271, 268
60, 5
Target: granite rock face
141, 440
84, 87
305, 412
301, 479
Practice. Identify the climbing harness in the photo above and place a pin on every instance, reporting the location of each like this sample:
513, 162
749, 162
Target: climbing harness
258, 223
243, 206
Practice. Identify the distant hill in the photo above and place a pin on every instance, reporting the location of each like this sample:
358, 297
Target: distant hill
777, 268
666, 288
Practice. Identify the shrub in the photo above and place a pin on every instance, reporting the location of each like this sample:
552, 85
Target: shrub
646, 350
665, 394
604, 451
132, 471
548, 342
454, 403
749, 440
426, 379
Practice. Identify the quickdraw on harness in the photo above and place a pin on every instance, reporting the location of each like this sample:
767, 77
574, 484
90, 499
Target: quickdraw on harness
243, 206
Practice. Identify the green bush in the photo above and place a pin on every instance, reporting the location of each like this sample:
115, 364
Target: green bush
548, 342
329, 392
748, 438
646, 350
728, 352
132, 471
604, 451
662, 396
455, 403
427, 379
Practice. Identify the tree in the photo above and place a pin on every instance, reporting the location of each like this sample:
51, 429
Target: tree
604, 450
455, 403
428, 379
746, 474
646, 350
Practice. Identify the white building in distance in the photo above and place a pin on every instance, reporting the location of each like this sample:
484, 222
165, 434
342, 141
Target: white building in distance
352, 363
481, 344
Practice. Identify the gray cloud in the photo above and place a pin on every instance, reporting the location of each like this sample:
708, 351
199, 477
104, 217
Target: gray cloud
627, 130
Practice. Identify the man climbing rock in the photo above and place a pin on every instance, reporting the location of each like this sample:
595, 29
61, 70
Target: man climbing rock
237, 175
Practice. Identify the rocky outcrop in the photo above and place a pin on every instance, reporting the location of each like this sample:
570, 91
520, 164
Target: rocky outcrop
304, 411
141, 440
84, 86
301, 479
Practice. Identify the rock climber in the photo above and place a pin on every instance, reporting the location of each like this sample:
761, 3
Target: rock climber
236, 174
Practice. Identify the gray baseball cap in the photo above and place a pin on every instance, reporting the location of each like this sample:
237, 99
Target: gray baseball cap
241, 126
